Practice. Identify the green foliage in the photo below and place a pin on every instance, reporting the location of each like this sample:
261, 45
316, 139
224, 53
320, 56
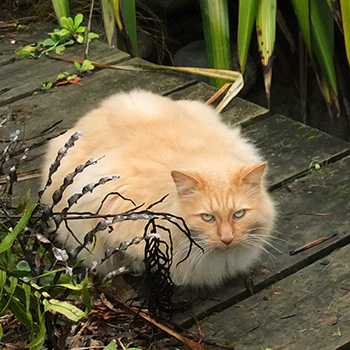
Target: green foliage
62, 9
46, 85
316, 19
65, 75
111, 346
28, 283
217, 36
71, 32
119, 17
85, 66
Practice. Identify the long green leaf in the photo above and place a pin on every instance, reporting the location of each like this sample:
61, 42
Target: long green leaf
322, 35
109, 22
345, 14
217, 35
125, 16
37, 340
10, 290
19, 311
266, 33
65, 308
129, 19
62, 9
246, 17
28, 294
302, 11
3, 279
13, 305
10, 238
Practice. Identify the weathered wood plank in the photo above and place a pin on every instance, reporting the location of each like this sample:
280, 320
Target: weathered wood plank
71, 102
309, 310
237, 112
291, 148
13, 40
35, 113
24, 77
312, 207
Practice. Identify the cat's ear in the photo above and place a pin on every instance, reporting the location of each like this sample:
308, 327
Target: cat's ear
253, 175
185, 183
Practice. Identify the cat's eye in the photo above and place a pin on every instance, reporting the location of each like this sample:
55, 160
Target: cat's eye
208, 217
238, 214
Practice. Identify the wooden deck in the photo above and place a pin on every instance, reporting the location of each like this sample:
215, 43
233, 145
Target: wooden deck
301, 301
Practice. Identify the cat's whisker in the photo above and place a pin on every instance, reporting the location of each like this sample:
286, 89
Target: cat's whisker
265, 241
255, 245
268, 229
269, 237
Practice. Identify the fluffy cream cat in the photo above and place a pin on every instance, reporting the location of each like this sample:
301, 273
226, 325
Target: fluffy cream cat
214, 178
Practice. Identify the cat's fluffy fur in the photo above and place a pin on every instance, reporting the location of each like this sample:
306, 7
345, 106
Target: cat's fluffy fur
158, 146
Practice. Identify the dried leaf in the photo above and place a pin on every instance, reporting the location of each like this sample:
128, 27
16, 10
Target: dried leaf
331, 321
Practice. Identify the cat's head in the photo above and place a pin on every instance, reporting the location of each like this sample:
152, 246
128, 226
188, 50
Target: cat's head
226, 209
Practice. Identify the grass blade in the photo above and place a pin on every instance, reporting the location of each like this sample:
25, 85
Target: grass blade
322, 36
266, 32
217, 36
345, 15
10, 238
125, 16
302, 11
62, 9
246, 17
109, 22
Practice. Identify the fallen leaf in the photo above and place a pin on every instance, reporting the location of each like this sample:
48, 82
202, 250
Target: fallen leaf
65, 82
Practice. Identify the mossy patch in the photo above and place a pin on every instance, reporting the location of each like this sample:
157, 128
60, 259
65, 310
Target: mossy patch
343, 193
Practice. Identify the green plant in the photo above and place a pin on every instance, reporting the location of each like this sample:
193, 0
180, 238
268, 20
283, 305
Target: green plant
217, 36
63, 37
29, 291
39, 288
46, 85
74, 29
85, 66
62, 9
119, 17
316, 19
65, 76
70, 33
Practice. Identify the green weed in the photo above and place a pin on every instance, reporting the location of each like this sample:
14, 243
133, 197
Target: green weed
71, 32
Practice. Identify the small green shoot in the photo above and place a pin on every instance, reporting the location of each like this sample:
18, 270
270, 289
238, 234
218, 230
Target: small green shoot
314, 166
46, 85
85, 66
66, 76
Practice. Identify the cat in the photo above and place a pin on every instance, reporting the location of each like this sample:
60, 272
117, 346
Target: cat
213, 176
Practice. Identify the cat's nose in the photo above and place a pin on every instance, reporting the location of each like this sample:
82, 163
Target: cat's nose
227, 239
